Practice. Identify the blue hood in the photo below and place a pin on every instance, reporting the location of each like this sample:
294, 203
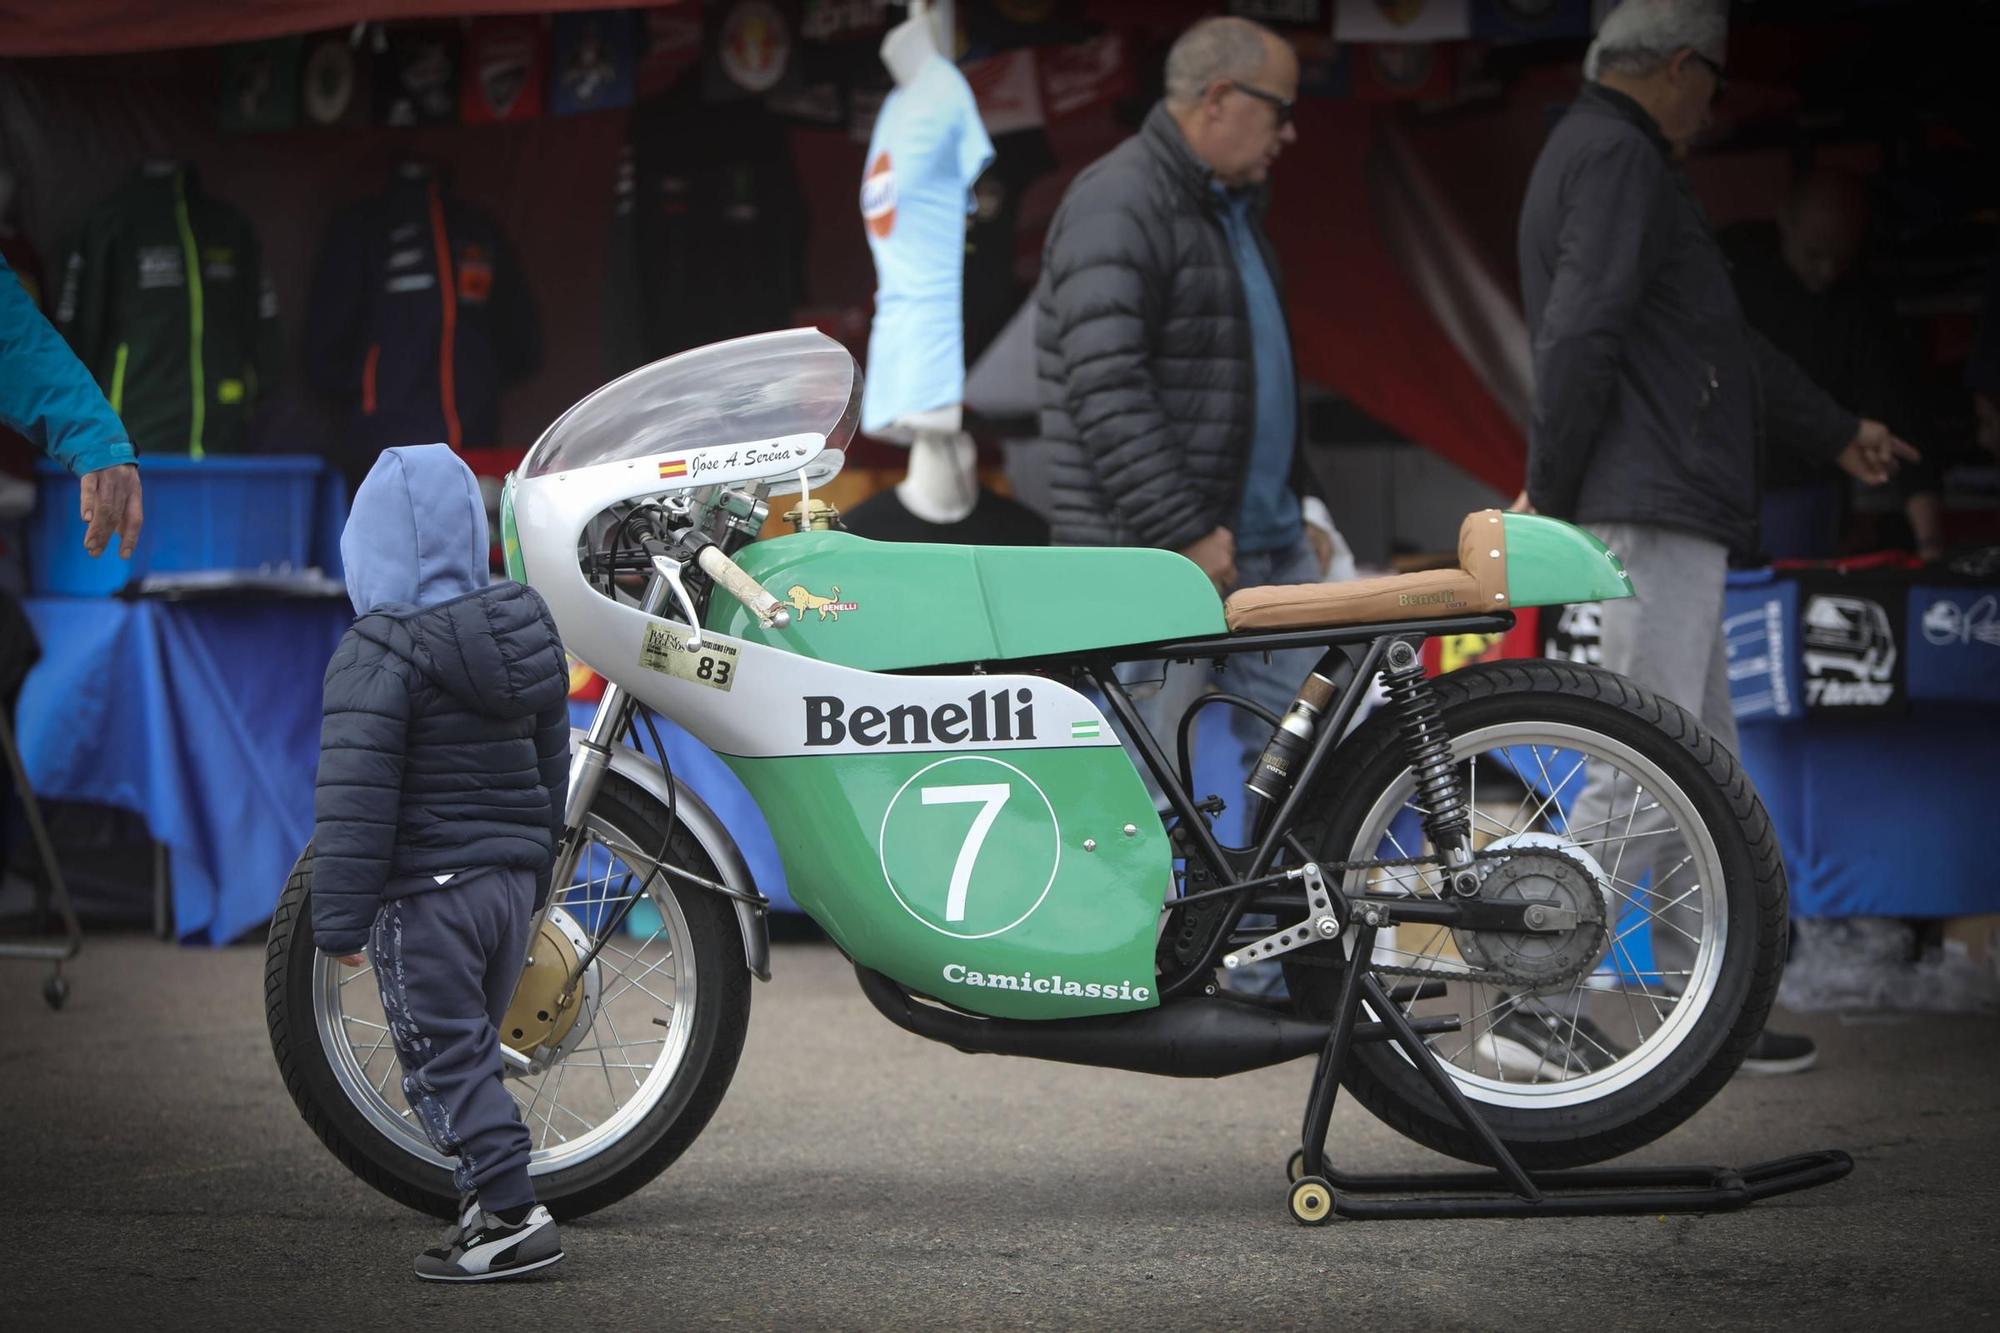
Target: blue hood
417, 533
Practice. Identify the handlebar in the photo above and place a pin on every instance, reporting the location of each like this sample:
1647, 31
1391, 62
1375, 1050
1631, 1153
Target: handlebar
729, 575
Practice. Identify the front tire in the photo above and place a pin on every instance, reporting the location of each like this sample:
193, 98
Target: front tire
1569, 1115
346, 1086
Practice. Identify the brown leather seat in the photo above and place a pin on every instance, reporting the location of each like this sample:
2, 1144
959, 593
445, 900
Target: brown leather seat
1476, 587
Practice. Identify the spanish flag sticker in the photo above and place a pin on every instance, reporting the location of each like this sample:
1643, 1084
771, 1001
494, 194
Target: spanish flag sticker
674, 467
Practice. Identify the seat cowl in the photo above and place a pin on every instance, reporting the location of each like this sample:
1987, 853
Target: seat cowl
1477, 587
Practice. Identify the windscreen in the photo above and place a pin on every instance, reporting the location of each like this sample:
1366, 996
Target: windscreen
769, 385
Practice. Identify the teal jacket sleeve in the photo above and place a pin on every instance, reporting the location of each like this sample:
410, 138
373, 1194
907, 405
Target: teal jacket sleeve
46, 394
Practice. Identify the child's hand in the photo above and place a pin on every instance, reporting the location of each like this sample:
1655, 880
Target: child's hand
352, 960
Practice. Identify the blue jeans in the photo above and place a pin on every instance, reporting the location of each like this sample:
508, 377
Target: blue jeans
1273, 683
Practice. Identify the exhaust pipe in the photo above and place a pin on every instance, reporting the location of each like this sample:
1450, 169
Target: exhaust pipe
1197, 1036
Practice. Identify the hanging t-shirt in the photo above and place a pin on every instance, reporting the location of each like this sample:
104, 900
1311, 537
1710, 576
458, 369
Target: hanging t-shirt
927, 149
995, 520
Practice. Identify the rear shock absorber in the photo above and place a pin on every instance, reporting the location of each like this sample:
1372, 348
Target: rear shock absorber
1447, 817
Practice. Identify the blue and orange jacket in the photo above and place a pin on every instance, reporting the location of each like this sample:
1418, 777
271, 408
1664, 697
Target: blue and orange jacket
419, 316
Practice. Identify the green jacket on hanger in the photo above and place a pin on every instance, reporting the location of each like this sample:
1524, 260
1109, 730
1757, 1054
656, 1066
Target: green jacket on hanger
164, 298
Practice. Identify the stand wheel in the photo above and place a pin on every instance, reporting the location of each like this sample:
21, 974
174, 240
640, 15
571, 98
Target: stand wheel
1311, 1202
55, 991
1295, 1165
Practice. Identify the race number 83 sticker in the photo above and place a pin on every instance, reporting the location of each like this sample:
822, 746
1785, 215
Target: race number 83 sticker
970, 846
712, 664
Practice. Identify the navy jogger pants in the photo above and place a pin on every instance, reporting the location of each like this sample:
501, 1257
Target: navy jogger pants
446, 960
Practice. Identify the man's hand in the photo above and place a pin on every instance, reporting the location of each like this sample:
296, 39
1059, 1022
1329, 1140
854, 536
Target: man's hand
1521, 505
1875, 453
352, 960
111, 505
1321, 542
1216, 554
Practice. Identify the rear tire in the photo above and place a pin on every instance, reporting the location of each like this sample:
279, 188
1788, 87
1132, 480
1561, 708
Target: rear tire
1372, 763
292, 999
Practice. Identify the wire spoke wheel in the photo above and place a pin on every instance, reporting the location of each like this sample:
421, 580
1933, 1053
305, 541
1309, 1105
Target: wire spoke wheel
1611, 806
613, 1077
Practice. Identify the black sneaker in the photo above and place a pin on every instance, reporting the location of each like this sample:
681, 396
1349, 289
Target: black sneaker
1780, 1053
489, 1249
1535, 1044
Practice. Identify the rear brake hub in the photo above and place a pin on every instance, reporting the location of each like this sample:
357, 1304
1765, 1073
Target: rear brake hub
1541, 868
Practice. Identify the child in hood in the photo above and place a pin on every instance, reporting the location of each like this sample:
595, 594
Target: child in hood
443, 770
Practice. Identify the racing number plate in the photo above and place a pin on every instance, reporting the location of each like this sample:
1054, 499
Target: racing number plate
712, 664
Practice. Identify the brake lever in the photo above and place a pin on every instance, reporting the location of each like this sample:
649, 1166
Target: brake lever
669, 569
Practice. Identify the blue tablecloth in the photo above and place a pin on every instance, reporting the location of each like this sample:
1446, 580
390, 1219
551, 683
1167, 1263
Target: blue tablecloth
202, 717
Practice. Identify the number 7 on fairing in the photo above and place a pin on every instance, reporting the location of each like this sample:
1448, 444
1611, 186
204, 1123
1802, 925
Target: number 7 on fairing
990, 795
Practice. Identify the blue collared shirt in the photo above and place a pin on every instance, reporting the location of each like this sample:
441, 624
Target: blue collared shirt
1269, 517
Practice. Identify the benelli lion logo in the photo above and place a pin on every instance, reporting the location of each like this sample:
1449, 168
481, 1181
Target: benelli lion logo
829, 608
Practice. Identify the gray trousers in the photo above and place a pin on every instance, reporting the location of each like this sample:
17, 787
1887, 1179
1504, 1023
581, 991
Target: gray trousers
446, 962
1668, 638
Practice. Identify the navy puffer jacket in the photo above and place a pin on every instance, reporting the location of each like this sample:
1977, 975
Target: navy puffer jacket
1143, 353
445, 741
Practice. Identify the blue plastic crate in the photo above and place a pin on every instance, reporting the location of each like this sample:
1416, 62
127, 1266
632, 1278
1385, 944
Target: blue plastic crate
250, 513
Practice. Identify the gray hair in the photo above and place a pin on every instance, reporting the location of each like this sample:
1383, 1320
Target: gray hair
1641, 35
1215, 48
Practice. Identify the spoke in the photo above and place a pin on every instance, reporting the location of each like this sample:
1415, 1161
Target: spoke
382, 1087
629, 982
1610, 819
363, 1022
359, 973
1659, 1014
1637, 792
1557, 788
605, 1014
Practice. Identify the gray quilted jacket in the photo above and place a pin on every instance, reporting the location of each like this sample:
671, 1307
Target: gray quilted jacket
1653, 397
1143, 351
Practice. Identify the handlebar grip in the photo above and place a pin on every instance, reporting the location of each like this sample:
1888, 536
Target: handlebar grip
731, 576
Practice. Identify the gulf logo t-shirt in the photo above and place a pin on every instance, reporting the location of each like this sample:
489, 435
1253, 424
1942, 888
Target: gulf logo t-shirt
927, 149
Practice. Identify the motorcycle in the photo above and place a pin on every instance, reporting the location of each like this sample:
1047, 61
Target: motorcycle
1528, 913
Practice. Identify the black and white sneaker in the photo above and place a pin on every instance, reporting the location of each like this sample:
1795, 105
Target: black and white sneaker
1780, 1053
487, 1249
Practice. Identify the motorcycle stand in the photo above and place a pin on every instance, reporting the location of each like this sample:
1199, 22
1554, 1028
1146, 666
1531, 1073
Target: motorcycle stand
1319, 1192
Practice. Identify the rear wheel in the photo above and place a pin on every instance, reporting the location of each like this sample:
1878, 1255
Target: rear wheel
634, 1065
1585, 1044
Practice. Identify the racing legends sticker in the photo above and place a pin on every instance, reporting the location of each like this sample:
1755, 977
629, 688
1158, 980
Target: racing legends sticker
667, 651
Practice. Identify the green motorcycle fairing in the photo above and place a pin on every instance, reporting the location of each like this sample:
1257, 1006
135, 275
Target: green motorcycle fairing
887, 606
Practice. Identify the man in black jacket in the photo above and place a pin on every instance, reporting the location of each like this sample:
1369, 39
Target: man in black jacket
1651, 393
1168, 390
443, 770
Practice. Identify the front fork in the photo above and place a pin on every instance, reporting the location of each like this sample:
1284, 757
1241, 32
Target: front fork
587, 768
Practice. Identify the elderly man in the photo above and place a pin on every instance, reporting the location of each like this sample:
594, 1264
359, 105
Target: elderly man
1798, 283
1650, 396
1169, 402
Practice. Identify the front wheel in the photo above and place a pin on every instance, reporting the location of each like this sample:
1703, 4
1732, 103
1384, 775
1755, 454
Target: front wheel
629, 1071
1613, 805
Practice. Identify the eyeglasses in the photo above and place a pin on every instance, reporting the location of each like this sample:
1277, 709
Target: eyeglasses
1721, 79
1282, 106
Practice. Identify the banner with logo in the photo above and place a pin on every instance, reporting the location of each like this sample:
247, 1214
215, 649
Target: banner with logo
1090, 74
1852, 653
503, 71
333, 82
1402, 20
1954, 642
1574, 633
260, 86
1009, 92
419, 76
596, 62
1760, 620
1530, 20
751, 49
669, 46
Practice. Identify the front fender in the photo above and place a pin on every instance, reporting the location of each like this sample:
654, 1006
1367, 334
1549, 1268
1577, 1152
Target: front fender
709, 831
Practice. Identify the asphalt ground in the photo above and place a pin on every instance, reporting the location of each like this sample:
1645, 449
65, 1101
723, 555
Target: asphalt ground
156, 1175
